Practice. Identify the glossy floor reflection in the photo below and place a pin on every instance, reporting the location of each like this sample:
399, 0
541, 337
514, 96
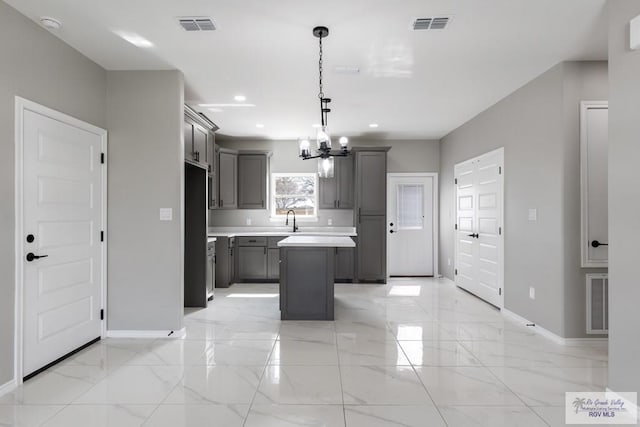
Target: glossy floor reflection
414, 352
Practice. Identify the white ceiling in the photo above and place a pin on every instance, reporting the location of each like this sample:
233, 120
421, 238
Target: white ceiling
415, 85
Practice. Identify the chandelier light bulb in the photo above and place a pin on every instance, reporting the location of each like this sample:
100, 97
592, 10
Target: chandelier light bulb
343, 141
304, 148
323, 139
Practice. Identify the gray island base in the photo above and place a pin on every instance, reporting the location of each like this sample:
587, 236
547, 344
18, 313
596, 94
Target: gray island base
307, 277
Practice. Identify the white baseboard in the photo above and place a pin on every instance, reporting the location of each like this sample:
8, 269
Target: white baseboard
146, 334
8, 387
553, 337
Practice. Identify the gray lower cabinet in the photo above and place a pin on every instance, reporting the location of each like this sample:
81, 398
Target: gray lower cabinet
306, 283
225, 262
252, 181
273, 264
337, 192
252, 263
344, 264
371, 263
258, 258
227, 180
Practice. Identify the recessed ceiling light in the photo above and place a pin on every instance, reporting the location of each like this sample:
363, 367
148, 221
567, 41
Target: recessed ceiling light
259, 125
135, 39
225, 105
50, 23
373, 125
240, 98
316, 125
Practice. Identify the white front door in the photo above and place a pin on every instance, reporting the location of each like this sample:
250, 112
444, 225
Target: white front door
62, 223
410, 225
479, 216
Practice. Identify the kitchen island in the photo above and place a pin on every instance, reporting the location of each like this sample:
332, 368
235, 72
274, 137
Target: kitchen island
307, 276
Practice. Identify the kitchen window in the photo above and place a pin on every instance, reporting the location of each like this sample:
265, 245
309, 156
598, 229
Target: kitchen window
297, 191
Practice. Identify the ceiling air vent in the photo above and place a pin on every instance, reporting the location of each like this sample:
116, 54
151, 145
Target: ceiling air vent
197, 24
436, 23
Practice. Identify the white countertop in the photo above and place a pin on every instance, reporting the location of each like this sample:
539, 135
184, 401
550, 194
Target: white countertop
322, 241
211, 239
281, 231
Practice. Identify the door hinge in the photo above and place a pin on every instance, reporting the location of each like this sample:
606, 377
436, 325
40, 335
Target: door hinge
500, 231
102, 236
499, 291
455, 181
455, 271
456, 226
102, 158
499, 170
102, 314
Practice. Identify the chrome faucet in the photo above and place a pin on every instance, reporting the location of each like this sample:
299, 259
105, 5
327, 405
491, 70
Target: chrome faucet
295, 227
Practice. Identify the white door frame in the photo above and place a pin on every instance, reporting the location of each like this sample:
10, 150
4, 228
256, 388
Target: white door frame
436, 238
22, 105
455, 210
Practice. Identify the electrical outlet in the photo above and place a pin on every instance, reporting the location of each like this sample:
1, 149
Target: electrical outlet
166, 214
448, 261
532, 292
248, 221
329, 221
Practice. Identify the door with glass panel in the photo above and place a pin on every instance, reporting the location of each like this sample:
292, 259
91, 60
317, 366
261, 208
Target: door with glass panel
479, 239
410, 224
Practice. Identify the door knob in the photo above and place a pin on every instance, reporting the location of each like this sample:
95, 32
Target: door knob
473, 235
30, 238
391, 231
31, 256
596, 244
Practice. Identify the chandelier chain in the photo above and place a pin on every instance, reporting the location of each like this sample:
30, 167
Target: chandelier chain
321, 93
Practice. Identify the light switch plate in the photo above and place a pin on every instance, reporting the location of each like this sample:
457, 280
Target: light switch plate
532, 292
533, 214
634, 33
329, 221
166, 214
248, 221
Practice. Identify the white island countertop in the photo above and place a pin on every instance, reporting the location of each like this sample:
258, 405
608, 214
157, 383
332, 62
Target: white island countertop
318, 241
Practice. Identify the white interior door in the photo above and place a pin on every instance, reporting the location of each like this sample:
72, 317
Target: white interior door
62, 220
479, 239
594, 146
410, 225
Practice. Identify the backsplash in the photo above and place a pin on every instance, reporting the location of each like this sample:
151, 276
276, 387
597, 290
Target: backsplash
261, 218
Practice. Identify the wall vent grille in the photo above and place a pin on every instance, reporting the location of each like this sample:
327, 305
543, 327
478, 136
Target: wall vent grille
598, 303
200, 23
434, 23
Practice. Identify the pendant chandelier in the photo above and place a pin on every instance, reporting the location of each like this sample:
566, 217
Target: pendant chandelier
324, 154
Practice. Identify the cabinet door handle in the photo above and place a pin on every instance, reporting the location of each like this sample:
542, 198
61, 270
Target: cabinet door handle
221, 203
338, 203
265, 250
359, 214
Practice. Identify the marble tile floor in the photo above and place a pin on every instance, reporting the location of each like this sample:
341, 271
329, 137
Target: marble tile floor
414, 352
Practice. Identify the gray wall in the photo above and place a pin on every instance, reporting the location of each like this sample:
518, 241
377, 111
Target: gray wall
624, 199
539, 128
37, 66
146, 172
405, 156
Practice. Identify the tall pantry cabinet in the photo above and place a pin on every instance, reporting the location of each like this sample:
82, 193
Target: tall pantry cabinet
370, 213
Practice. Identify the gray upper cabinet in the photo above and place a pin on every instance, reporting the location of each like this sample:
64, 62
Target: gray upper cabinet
200, 138
337, 192
252, 181
371, 182
227, 180
188, 141
211, 152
